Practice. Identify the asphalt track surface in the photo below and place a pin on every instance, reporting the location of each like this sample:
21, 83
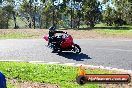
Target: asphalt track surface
108, 53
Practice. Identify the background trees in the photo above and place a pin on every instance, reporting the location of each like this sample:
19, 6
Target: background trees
91, 11
119, 13
6, 13
124, 10
67, 13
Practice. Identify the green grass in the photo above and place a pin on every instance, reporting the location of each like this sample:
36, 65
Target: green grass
64, 76
9, 85
114, 32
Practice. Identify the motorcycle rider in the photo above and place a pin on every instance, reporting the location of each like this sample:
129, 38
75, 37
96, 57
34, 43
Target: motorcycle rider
51, 34
52, 38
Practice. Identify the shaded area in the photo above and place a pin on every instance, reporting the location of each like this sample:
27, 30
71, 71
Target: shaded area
111, 28
74, 56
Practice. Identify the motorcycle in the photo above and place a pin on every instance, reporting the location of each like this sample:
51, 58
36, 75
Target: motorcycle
63, 42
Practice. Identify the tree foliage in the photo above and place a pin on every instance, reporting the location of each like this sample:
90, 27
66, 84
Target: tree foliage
119, 14
73, 13
6, 14
91, 12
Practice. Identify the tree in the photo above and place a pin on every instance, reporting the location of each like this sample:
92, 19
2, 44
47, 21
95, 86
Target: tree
91, 12
3, 19
52, 13
7, 13
120, 13
124, 10
47, 15
108, 16
27, 9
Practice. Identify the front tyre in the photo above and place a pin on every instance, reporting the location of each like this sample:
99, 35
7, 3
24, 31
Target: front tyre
77, 49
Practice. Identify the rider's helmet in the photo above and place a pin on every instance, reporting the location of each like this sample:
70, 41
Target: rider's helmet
52, 29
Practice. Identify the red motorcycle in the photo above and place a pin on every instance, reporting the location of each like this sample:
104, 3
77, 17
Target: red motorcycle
63, 42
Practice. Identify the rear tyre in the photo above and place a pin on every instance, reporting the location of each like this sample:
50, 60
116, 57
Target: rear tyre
77, 49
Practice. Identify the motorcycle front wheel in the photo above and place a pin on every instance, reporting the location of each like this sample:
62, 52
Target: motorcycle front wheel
77, 49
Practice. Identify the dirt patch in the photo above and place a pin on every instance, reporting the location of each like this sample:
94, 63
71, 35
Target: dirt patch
28, 84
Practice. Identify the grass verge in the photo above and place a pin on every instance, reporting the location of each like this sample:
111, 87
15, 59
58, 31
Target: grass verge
63, 76
114, 33
21, 33
15, 35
